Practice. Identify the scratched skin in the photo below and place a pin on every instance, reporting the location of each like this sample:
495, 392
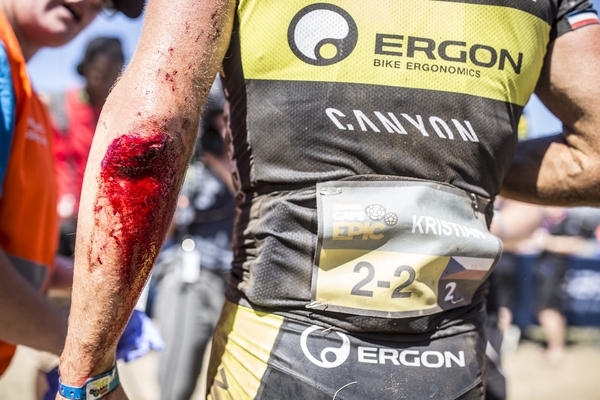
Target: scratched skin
135, 178
134, 185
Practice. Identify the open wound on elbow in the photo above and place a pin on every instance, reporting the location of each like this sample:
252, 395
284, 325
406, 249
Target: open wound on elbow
133, 156
136, 183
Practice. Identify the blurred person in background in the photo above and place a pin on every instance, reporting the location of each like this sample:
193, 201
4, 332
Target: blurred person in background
556, 234
566, 232
76, 114
513, 221
192, 272
28, 218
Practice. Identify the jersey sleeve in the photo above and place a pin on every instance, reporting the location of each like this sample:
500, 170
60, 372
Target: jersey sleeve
573, 14
7, 113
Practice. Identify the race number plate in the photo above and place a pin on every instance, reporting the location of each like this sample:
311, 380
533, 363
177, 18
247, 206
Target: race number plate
399, 249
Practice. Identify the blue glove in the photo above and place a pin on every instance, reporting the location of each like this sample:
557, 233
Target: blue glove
140, 336
52, 379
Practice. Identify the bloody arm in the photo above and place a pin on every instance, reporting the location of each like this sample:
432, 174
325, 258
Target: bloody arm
564, 169
141, 149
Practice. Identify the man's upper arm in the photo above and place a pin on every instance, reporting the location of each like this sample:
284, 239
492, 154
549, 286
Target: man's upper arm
569, 84
570, 87
7, 113
181, 48
564, 169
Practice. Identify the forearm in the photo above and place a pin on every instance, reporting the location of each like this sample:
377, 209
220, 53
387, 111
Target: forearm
556, 170
27, 317
141, 148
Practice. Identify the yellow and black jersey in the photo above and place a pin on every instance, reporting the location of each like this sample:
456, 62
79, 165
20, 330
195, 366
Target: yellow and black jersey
326, 91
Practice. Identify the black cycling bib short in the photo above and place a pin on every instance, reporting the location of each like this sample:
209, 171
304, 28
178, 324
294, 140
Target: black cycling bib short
368, 140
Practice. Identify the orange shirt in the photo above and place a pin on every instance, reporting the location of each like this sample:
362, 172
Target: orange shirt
28, 217
72, 147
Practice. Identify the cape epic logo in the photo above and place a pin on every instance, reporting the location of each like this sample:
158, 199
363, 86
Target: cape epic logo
341, 353
322, 34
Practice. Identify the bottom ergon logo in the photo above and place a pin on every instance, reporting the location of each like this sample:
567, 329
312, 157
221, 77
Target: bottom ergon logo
331, 357
341, 353
410, 358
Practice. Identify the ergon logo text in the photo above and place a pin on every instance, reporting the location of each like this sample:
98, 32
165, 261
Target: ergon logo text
457, 51
410, 358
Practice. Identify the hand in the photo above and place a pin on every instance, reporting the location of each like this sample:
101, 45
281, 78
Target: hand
117, 394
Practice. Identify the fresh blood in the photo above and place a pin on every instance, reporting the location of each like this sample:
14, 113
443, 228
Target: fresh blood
136, 179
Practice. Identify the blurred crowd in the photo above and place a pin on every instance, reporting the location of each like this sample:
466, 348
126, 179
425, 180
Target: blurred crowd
186, 291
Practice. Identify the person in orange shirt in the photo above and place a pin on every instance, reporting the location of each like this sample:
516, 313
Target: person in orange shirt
28, 217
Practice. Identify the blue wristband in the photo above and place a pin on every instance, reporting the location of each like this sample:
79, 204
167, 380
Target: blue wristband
94, 388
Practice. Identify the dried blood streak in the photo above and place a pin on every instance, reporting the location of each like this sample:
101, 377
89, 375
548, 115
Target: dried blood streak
135, 179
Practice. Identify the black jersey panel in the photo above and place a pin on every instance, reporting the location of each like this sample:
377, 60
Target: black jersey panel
306, 132
235, 89
274, 248
562, 25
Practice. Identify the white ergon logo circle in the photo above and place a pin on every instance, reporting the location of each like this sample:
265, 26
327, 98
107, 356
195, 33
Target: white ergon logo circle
341, 353
322, 34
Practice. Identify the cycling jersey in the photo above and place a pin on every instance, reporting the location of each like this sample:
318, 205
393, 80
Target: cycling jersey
347, 91
369, 141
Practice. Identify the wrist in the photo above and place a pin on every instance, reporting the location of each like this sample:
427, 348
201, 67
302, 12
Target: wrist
75, 371
93, 388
